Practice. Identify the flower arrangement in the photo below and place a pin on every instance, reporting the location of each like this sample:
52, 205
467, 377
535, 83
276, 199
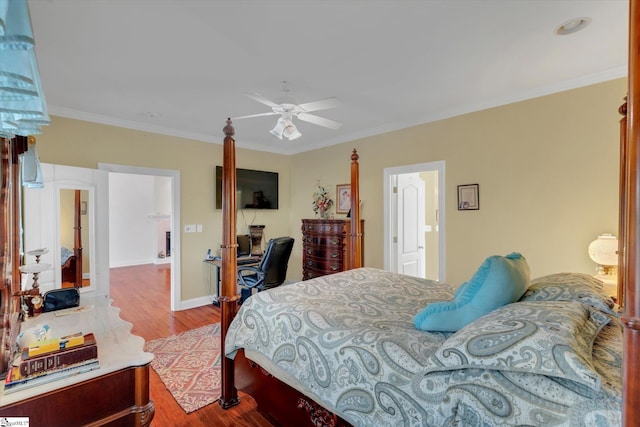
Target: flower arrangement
321, 202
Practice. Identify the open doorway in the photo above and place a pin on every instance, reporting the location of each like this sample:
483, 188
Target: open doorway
152, 202
414, 220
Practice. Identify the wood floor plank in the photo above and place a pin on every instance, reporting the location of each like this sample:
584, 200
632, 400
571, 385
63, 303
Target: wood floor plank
143, 295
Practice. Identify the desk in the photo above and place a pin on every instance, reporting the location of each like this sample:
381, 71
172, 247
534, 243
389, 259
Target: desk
217, 263
115, 394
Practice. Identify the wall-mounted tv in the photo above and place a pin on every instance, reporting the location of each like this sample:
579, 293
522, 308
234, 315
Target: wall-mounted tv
254, 189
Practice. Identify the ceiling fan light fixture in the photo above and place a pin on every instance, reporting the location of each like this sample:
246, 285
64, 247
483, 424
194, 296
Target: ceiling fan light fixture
290, 131
287, 109
278, 129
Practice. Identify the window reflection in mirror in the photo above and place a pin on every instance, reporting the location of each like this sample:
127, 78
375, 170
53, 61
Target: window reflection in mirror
75, 265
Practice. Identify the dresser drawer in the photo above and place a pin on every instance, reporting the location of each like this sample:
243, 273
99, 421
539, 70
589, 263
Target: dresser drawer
323, 252
324, 240
321, 264
311, 273
332, 226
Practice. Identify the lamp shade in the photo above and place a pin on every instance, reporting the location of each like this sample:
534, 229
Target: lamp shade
290, 131
23, 109
604, 250
278, 128
285, 128
30, 165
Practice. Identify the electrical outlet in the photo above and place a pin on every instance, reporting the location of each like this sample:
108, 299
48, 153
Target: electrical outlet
190, 228
199, 228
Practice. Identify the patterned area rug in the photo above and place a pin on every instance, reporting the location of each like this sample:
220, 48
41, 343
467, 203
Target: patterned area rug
189, 365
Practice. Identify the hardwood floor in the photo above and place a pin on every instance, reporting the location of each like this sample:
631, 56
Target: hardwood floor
143, 295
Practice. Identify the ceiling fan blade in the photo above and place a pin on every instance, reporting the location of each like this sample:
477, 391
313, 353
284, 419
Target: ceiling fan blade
262, 99
317, 120
271, 113
323, 104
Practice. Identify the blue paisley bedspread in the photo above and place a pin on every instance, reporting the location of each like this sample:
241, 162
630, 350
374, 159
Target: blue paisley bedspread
348, 342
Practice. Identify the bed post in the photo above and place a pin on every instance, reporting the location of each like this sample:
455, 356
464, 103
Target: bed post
631, 319
77, 238
356, 231
229, 289
622, 209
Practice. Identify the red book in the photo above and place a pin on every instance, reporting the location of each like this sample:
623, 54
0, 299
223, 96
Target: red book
36, 365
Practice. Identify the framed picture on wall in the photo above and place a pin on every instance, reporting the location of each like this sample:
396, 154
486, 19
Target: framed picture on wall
343, 198
468, 197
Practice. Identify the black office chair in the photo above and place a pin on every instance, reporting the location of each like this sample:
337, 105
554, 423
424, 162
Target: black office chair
271, 271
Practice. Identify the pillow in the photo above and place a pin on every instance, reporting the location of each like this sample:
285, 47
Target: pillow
65, 254
570, 287
554, 339
499, 281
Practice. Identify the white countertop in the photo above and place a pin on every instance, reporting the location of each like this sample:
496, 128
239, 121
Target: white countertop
117, 347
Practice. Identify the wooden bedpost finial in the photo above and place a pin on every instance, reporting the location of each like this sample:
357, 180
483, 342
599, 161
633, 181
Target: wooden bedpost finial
354, 155
623, 108
228, 129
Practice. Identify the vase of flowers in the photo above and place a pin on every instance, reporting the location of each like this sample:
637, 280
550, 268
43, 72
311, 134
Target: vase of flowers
322, 202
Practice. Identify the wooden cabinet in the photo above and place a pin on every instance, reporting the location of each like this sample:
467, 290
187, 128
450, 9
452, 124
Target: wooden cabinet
325, 246
116, 394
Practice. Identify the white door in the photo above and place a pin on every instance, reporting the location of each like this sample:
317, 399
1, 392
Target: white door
42, 224
410, 237
406, 229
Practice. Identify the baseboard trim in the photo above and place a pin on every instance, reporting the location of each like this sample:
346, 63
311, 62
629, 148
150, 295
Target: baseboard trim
194, 303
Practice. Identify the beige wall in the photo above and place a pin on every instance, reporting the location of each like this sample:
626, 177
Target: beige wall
547, 170
77, 143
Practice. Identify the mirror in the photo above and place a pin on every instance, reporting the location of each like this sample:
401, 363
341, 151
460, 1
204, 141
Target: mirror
75, 240
50, 222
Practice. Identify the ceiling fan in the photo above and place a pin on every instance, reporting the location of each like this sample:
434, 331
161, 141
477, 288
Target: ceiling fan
287, 109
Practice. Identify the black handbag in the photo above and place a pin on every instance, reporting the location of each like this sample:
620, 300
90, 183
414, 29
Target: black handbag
58, 299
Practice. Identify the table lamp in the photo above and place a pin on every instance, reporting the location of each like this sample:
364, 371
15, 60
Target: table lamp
604, 252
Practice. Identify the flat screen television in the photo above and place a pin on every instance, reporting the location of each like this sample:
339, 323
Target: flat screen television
254, 189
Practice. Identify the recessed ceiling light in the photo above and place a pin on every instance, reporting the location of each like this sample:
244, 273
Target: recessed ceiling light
153, 114
572, 25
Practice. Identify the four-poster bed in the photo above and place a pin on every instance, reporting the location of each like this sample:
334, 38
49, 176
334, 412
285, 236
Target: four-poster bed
342, 349
613, 399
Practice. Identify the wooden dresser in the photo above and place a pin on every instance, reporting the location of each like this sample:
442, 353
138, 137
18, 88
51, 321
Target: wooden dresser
325, 246
116, 394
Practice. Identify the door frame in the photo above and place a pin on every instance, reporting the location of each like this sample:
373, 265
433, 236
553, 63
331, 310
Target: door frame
390, 209
175, 219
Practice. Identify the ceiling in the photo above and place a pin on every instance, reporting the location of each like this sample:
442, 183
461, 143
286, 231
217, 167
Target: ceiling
181, 67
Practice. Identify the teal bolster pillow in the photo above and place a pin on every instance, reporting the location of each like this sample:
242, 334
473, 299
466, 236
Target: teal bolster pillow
499, 281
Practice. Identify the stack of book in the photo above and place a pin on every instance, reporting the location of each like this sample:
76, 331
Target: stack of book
50, 360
